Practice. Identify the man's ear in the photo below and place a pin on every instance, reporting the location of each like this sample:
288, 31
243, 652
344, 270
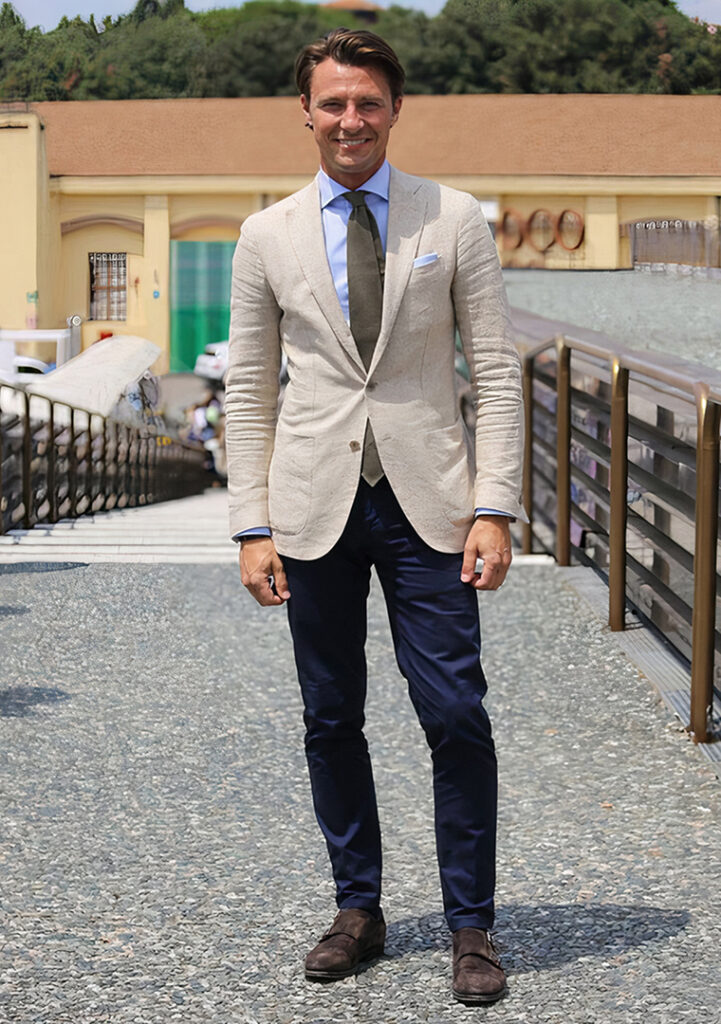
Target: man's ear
396, 109
306, 109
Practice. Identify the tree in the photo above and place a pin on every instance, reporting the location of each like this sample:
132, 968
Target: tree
155, 58
254, 54
160, 49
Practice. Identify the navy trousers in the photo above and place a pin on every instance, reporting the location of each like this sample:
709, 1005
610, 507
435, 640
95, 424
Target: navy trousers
434, 623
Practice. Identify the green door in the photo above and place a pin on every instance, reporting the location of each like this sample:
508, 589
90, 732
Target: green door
200, 274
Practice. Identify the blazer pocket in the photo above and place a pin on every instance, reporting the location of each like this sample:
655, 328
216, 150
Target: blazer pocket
425, 260
290, 480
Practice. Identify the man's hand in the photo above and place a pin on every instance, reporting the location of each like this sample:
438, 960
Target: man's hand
259, 561
490, 540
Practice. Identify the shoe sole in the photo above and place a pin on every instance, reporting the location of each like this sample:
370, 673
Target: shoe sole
473, 998
372, 954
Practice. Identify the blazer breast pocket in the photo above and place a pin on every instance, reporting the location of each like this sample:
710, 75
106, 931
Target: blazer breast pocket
427, 284
428, 259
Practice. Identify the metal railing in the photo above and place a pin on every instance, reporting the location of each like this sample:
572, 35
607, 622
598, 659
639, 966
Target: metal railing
622, 473
59, 461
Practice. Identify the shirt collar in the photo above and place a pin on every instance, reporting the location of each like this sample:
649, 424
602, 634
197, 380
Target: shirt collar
378, 184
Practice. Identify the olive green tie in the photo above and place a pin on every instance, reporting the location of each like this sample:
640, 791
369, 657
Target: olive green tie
365, 303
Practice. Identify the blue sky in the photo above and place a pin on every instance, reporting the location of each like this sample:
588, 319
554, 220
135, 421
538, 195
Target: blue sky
47, 13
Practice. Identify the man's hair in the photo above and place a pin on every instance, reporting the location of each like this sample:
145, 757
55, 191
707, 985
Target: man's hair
355, 47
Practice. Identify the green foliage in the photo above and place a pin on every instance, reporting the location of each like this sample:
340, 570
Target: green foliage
253, 53
154, 58
160, 49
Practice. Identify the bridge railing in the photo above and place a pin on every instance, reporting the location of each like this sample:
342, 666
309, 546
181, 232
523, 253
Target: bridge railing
622, 473
59, 461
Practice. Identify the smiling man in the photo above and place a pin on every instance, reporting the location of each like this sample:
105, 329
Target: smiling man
361, 280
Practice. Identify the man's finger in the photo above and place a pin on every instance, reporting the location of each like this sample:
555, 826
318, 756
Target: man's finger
493, 575
468, 569
281, 583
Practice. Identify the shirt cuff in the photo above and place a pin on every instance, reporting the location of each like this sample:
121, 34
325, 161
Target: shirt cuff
492, 512
253, 531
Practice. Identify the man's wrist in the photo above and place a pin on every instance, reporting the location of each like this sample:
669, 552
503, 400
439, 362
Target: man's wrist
252, 532
487, 513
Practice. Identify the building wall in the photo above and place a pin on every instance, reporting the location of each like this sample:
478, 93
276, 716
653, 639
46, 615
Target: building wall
605, 210
75, 275
50, 225
21, 208
137, 218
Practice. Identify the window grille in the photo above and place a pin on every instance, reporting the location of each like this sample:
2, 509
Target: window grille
108, 285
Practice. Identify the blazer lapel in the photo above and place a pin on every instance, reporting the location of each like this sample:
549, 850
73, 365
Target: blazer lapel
406, 214
305, 227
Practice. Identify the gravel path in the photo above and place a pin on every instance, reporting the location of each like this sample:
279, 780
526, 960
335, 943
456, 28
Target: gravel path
158, 857
679, 315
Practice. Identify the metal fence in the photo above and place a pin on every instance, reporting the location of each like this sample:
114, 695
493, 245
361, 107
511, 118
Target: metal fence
58, 461
622, 473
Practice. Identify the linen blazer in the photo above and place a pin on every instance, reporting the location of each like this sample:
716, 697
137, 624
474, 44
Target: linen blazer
297, 469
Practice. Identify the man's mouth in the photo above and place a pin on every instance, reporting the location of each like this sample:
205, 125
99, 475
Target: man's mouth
351, 142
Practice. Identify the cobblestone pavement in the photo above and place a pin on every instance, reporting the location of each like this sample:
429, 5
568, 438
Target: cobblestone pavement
159, 860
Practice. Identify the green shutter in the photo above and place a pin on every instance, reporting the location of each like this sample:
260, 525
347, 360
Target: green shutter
200, 274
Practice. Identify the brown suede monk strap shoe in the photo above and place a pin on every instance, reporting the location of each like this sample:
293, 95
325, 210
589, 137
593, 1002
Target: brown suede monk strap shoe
477, 973
354, 937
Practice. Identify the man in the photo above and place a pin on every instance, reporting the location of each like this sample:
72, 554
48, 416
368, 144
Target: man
361, 279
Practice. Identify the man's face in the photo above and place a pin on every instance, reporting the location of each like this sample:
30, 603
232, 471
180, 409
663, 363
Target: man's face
351, 112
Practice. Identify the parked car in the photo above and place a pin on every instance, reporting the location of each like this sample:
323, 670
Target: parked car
24, 369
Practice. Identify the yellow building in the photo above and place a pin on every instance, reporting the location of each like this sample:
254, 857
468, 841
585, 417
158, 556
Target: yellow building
126, 212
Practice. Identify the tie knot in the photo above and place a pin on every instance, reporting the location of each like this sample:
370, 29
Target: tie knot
355, 198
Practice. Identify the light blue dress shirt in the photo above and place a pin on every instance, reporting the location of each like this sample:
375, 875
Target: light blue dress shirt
335, 212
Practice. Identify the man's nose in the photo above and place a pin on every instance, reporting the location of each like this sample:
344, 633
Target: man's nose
351, 119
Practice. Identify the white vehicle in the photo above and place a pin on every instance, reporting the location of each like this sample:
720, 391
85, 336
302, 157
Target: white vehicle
213, 362
24, 370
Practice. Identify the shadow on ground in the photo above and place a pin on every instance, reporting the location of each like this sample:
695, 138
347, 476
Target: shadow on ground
20, 701
26, 567
541, 937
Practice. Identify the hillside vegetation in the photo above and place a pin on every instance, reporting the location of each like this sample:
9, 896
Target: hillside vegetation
161, 49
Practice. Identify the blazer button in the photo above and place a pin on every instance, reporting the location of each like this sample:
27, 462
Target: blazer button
355, 446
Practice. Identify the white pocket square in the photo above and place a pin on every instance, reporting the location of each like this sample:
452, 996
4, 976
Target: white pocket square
422, 261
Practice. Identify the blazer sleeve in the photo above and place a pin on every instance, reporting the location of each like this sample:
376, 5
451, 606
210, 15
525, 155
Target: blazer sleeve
252, 385
483, 321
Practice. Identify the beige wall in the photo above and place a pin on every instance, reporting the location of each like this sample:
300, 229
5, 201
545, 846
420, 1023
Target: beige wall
631, 208
189, 207
208, 233
20, 202
555, 258
155, 277
604, 213
54, 224
75, 276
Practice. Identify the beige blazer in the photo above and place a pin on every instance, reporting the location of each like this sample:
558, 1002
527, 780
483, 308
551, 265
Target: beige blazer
298, 471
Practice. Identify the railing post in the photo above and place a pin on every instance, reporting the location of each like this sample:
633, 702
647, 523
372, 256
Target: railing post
563, 452
527, 532
127, 468
27, 465
72, 466
2, 459
704, 564
116, 463
138, 488
104, 463
52, 495
618, 492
